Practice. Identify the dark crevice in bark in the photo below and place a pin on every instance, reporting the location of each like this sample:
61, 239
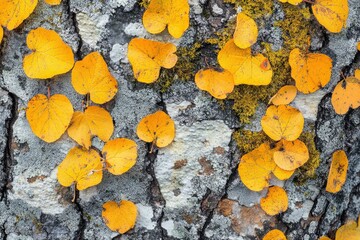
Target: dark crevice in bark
3, 232
8, 155
82, 223
75, 24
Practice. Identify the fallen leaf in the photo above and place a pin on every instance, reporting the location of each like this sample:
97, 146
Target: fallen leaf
147, 57
14, 12
349, 231
324, 238
50, 56
80, 167
291, 154
1, 34
332, 14
173, 14
120, 155
53, 2
311, 71
282, 122
49, 117
293, 2
119, 217
91, 76
275, 202
337, 173
275, 234
357, 73
218, 84
346, 95
246, 31
284, 96
246, 68
157, 128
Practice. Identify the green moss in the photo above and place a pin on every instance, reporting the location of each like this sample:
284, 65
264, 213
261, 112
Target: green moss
307, 171
254, 8
247, 140
185, 68
144, 3
223, 35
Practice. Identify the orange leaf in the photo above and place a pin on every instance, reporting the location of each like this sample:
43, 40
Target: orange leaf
147, 57
246, 31
346, 95
14, 12
324, 238
94, 121
51, 55
357, 73
91, 76
275, 202
332, 14
53, 2
282, 122
119, 217
1, 34
337, 173
291, 155
49, 118
246, 68
120, 155
158, 128
284, 96
349, 231
293, 2
81, 167
275, 234
311, 71
358, 46
218, 84
174, 14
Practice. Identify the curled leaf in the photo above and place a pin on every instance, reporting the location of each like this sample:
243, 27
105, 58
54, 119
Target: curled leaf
218, 84
346, 95
119, 217
14, 12
275, 202
284, 96
246, 31
337, 173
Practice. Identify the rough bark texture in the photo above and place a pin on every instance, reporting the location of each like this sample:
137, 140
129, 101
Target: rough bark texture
191, 189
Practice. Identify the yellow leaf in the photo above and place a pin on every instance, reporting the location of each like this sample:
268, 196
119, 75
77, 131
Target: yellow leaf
94, 121
91, 76
1, 34
358, 46
120, 155
49, 118
246, 31
174, 14
147, 57
247, 69
332, 14
53, 2
293, 2
291, 155
14, 12
119, 217
324, 238
157, 128
81, 167
284, 96
275, 234
346, 95
357, 73
311, 71
282, 174
51, 55
282, 122
275, 202
349, 231
337, 173
218, 84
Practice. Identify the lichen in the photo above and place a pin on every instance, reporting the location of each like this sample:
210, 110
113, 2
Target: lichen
144, 3
254, 8
247, 140
221, 37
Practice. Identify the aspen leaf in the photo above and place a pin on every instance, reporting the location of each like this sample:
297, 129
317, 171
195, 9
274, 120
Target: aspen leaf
284, 96
157, 128
357, 73
91, 76
1, 34
80, 167
346, 95
275, 202
50, 56
49, 117
293, 2
291, 154
324, 238
246, 31
337, 173
275, 234
282, 174
332, 14
94, 121
218, 84
120, 155
14, 12
53, 2
147, 57
246, 68
358, 46
349, 231
173, 14
119, 217
311, 71
282, 122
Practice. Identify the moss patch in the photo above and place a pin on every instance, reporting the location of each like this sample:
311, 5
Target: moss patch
144, 3
254, 8
247, 140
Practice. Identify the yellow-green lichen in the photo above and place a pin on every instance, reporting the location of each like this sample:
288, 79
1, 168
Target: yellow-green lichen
221, 37
144, 3
254, 8
247, 140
